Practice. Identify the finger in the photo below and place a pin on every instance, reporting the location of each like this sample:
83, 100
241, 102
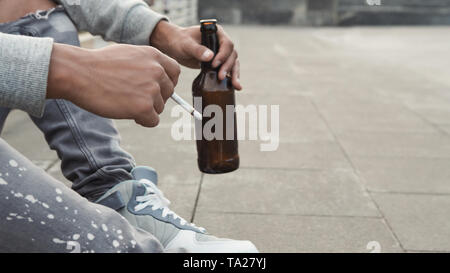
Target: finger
226, 48
228, 65
199, 52
236, 75
148, 120
158, 104
166, 88
171, 67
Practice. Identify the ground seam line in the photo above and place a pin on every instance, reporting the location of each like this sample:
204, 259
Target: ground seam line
197, 197
357, 174
52, 165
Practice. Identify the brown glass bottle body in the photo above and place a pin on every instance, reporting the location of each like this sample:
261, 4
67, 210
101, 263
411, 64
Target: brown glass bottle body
217, 155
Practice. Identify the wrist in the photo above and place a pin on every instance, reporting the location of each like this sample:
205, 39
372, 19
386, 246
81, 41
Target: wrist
65, 71
163, 35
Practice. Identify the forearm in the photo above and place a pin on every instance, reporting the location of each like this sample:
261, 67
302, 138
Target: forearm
35, 69
24, 64
123, 21
118, 81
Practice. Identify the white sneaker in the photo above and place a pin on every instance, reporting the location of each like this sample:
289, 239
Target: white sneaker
144, 206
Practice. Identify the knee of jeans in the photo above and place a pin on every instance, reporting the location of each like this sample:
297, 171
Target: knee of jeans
61, 29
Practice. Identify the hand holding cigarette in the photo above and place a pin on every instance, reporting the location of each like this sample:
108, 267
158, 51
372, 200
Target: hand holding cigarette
119, 81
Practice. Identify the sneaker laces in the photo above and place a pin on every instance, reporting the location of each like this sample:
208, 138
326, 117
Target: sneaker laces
154, 198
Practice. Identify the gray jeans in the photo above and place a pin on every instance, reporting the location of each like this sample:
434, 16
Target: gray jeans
37, 212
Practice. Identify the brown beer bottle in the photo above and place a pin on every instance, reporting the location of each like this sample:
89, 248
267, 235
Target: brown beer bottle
219, 154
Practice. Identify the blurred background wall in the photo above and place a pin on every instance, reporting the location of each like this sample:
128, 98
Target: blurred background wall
300, 13
181, 12
327, 12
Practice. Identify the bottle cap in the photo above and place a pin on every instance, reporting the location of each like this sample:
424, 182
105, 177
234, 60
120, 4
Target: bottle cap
208, 21
208, 25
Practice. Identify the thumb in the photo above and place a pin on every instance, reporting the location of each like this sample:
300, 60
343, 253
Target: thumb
199, 52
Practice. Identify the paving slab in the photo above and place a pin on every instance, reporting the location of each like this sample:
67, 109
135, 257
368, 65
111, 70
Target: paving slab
404, 174
435, 115
312, 155
375, 118
26, 138
421, 222
14, 121
445, 128
55, 172
175, 161
279, 233
273, 191
301, 123
357, 143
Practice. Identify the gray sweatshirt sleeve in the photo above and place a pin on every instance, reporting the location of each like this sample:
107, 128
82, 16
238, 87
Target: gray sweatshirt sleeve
122, 21
24, 63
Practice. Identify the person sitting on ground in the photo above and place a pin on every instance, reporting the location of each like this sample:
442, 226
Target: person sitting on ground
71, 94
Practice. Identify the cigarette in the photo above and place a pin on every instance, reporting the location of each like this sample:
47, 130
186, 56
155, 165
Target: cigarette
186, 106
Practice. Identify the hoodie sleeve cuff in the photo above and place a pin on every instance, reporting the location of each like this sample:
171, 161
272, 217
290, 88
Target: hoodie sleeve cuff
139, 24
24, 64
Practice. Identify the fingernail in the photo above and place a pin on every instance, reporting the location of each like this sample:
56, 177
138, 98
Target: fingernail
224, 74
238, 81
207, 54
216, 63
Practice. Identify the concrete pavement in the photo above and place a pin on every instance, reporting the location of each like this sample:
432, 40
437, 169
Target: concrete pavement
364, 143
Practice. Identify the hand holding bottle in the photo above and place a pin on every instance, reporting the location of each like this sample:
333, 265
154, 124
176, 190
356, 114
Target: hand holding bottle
184, 45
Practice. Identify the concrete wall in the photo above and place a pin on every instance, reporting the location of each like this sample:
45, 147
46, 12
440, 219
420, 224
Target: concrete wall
296, 12
327, 12
181, 12
254, 11
394, 12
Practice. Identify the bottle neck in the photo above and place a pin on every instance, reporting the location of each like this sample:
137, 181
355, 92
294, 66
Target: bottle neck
211, 41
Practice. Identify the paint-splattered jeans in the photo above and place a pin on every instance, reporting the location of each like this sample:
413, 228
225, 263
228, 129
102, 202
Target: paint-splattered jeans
38, 213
